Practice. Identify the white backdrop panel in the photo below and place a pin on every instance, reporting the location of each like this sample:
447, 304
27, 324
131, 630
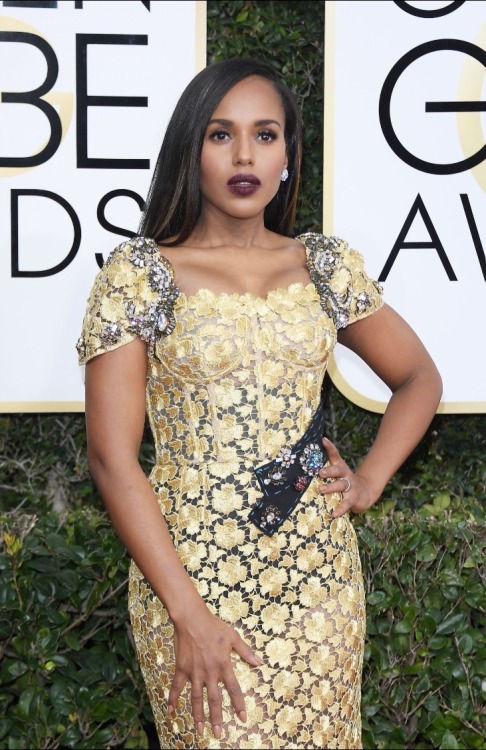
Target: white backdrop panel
112, 73
396, 76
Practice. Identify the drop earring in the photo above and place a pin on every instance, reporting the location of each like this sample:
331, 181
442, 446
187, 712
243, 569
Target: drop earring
284, 174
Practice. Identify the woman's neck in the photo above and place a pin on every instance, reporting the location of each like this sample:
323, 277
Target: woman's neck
227, 231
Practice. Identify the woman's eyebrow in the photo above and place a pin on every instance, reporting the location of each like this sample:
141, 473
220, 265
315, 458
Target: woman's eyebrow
258, 123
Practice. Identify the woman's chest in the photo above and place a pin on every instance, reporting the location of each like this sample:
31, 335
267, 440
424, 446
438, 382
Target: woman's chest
216, 334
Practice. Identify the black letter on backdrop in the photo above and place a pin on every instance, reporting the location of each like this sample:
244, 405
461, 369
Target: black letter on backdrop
33, 98
78, 4
84, 101
30, 3
418, 207
471, 221
16, 273
100, 213
456, 45
421, 13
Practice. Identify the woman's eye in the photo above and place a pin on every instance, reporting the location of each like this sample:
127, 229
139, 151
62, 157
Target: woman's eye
219, 135
266, 135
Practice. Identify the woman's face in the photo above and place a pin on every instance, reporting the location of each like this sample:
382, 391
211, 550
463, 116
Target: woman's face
244, 151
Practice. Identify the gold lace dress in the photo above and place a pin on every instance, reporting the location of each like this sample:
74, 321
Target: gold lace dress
233, 379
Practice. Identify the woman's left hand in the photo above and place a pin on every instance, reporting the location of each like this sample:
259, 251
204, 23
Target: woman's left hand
356, 493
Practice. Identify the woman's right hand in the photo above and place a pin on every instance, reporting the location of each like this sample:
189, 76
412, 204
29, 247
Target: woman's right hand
203, 647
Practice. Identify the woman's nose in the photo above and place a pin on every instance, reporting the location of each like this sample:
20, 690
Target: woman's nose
243, 151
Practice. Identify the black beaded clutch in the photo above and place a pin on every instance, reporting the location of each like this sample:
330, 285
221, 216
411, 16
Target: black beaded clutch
284, 480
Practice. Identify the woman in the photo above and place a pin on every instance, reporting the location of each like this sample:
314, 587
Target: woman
246, 595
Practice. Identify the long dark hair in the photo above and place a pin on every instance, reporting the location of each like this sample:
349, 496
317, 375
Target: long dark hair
173, 204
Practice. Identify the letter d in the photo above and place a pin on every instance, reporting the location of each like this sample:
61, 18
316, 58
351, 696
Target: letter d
16, 272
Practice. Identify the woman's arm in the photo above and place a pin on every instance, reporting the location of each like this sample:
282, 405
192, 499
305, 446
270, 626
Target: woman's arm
395, 353
115, 418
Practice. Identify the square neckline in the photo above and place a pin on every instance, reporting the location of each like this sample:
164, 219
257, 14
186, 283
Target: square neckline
242, 295
202, 291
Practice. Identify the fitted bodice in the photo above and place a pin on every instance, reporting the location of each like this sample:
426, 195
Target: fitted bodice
240, 376
231, 377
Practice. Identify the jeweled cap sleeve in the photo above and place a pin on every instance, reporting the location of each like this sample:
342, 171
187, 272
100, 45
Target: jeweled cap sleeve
346, 291
132, 295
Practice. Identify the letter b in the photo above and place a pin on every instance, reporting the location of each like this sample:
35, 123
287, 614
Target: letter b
34, 98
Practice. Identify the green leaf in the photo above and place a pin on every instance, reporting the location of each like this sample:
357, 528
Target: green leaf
457, 670
449, 742
69, 580
72, 641
474, 595
397, 694
17, 668
5, 726
451, 593
23, 705
427, 625
401, 644
423, 684
48, 641
414, 540
102, 737
137, 739
376, 597
442, 501
16, 743
438, 642
452, 578
427, 553
367, 537
465, 644
431, 703
404, 626
109, 668
43, 565
96, 594
452, 624
45, 588
101, 711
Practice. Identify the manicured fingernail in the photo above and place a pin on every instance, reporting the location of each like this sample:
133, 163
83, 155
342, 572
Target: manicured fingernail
170, 709
217, 731
200, 727
242, 715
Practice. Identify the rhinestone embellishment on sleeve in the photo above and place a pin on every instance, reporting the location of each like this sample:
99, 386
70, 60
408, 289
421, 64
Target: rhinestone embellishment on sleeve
323, 261
345, 290
158, 320
111, 334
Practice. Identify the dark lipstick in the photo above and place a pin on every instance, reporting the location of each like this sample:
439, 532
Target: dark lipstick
243, 184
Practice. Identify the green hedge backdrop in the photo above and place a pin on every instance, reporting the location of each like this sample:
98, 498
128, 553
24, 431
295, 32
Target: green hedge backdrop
68, 674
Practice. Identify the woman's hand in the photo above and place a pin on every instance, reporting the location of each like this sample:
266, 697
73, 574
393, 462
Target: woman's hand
203, 646
356, 493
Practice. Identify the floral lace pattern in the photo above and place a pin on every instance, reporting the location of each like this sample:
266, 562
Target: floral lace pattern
234, 386
133, 295
346, 292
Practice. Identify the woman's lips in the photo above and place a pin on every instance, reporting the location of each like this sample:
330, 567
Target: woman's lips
243, 184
